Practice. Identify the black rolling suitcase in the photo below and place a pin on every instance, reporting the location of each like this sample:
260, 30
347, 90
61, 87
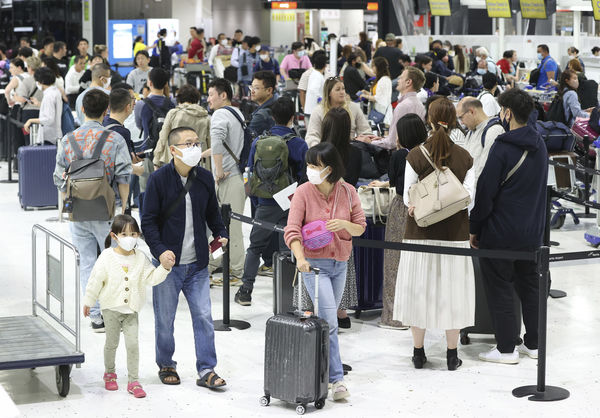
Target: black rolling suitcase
369, 270
297, 358
284, 272
483, 320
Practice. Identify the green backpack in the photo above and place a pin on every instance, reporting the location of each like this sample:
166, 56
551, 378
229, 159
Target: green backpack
271, 171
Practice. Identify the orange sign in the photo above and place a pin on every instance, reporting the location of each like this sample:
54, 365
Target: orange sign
373, 6
284, 5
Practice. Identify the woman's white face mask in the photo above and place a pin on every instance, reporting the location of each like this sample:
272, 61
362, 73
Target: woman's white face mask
314, 175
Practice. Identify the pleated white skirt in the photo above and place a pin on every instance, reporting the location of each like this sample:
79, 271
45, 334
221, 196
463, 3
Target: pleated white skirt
435, 290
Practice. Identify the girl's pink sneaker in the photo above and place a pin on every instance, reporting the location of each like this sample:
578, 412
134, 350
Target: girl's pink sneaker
136, 389
110, 381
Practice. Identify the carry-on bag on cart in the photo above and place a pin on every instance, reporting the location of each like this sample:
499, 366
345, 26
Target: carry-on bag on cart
297, 357
369, 270
483, 319
36, 184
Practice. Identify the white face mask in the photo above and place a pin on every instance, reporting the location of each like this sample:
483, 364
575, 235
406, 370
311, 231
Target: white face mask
191, 156
301, 54
127, 243
38, 85
224, 42
107, 83
257, 48
314, 175
264, 57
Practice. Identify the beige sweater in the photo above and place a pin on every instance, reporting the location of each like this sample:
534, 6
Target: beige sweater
114, 288
360, 125
189, 115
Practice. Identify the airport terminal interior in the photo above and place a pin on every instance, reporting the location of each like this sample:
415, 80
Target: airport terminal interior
501, 68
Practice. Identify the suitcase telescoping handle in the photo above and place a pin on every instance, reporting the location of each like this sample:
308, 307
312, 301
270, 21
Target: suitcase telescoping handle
316, 270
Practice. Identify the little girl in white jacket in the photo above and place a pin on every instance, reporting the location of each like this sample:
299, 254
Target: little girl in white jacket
118, 281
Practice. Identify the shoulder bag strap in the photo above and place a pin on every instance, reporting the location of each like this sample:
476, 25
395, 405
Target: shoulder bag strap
177, 202
75, 147
100, 144
427, 156
237, 160
516, 167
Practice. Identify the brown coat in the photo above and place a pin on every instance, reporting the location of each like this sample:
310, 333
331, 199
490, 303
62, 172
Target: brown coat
456, 227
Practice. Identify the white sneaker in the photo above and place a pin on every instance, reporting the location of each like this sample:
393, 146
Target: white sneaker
339, 391
496, 356
529, 352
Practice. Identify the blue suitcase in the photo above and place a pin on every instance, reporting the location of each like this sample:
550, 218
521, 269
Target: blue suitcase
36, 185
369, 270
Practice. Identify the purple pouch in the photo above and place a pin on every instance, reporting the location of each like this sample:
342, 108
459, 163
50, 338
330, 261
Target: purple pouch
315, 235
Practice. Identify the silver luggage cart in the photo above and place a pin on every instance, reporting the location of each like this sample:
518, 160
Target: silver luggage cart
33, 341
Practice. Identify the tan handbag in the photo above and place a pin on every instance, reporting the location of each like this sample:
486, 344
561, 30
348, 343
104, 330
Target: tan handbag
438, 196
376, 201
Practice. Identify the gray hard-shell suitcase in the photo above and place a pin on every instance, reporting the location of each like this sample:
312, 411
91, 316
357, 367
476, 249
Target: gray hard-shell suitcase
297, 358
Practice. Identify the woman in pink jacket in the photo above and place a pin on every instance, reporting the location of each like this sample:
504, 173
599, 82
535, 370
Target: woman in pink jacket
329, 205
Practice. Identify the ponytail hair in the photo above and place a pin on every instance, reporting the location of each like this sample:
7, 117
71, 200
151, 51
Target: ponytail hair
442, 115
121, 223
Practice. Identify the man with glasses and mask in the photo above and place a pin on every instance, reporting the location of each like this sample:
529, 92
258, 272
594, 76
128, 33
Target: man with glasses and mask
483, 131
180, 202
100, 80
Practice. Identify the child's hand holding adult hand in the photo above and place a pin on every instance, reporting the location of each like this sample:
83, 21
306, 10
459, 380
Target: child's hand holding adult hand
168, 263
86, 310
166, 258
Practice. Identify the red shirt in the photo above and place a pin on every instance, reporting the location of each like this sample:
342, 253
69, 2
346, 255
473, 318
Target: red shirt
504, 65
196, 49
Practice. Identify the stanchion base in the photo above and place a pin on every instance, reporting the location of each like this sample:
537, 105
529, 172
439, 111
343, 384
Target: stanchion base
221, 326
554, 243
557, 294
8, 181
552, 393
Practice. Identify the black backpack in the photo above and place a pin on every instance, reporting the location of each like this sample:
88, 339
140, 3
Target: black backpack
158, 119
163, 59
556, 112
242, 162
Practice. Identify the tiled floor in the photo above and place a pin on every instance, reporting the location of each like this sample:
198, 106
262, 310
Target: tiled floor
383, 382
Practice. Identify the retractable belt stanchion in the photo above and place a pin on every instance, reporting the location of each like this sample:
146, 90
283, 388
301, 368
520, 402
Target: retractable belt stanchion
9, 147
226, 323
587, 179
541, 392
554, 293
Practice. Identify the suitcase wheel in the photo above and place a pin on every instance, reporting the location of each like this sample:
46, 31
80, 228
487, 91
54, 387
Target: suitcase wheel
265, 400
464, 339
301, 409
319, 404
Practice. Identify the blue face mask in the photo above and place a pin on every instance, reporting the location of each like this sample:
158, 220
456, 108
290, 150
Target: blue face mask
540, 56
481, 71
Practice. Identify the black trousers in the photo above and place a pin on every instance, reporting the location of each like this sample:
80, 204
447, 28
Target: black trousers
500, 276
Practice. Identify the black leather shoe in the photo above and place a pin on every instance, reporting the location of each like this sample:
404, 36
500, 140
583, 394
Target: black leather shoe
419, 361
454, 363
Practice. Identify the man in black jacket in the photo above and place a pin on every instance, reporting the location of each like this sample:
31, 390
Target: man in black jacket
353, 80
510, 213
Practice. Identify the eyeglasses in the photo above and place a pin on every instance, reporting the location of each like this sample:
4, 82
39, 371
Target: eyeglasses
333, 78
461, 116
255, 87
189, 144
